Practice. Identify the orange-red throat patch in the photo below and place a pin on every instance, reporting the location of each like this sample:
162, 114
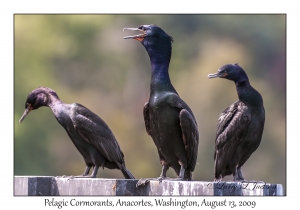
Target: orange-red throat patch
139, 38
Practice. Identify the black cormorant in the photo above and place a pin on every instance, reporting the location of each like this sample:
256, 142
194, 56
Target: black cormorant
168, 119
89, 133
240, 126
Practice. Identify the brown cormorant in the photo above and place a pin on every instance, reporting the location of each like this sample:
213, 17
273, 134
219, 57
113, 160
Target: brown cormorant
89, 133
168, 119
240, 126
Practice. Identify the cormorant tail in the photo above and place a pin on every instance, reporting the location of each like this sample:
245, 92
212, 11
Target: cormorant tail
126, 173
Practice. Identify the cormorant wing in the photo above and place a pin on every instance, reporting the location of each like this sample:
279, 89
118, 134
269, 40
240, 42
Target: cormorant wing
96, 132
190, 137
189, 129
147, 118
231, 129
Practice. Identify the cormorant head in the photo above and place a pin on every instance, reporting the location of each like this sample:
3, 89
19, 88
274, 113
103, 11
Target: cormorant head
230, 71
37, 98
157, 42
149, 32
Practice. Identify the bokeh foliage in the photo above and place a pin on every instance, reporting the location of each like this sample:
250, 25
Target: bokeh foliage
85, 59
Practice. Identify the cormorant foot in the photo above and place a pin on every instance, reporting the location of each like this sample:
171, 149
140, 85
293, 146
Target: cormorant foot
178, 179
143, 181
161, 178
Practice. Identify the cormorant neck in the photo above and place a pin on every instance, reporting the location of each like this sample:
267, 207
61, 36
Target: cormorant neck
160, 79
159, 51
247, 94
242, 83
242, 88
53, 101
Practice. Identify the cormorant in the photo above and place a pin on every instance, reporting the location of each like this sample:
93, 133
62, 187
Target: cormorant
240, 126
89, 133
168, 119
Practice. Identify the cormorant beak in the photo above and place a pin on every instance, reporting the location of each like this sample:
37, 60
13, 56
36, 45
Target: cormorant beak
138, 37
27, 110
217, 75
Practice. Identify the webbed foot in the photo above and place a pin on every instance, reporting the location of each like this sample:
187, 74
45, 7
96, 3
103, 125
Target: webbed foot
178, 179
144, 181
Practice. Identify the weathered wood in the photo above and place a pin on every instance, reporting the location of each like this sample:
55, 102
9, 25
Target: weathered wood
54, 186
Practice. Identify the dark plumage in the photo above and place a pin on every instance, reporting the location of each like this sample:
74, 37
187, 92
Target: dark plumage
89, 133
240, 126
168, 119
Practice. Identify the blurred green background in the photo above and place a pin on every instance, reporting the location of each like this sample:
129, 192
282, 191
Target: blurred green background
85, 59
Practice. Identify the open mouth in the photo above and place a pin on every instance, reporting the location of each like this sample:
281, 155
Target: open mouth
138, 37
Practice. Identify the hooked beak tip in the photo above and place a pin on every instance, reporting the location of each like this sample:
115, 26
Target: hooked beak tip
212, 76
22, 118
